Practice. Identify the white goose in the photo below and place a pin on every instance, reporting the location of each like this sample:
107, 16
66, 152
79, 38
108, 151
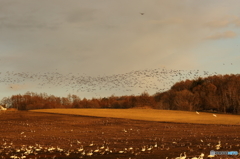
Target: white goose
182, 157
211, 156
97, 150
102, 147
91, 144
179, 157
90, 153
201, 156
80, 149
143, 148
218, 146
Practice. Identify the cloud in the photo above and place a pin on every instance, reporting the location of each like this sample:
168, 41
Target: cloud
223, 35
236, 21
100, 35
218, 23
81, 15
223, 22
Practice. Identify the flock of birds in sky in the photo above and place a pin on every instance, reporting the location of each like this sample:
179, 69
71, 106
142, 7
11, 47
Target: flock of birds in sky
148, 80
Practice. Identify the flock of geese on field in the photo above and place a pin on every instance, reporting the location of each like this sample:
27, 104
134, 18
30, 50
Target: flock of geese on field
37, 151
155, 80
8, 150
102, 137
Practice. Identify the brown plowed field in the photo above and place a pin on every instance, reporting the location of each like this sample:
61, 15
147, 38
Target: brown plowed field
42, 135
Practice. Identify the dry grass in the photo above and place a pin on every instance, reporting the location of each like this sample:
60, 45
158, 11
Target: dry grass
152, 115
12, 109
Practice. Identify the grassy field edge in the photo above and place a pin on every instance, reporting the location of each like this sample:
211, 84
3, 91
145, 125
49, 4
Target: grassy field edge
151, 115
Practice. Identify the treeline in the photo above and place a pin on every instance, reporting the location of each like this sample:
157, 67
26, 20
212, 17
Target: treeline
32, 100
219, 92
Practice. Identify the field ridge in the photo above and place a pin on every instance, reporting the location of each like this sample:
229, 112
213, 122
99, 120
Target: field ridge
152, 115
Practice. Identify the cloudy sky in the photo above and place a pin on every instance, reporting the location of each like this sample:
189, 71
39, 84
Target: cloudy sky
106, 37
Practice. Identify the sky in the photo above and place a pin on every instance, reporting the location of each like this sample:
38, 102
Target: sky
95, 48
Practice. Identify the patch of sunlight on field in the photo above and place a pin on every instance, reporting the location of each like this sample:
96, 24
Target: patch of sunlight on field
151, 115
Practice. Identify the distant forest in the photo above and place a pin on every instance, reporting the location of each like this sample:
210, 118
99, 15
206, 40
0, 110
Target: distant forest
219, 93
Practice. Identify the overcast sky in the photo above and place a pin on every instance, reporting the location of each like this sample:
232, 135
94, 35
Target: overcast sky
106, 37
